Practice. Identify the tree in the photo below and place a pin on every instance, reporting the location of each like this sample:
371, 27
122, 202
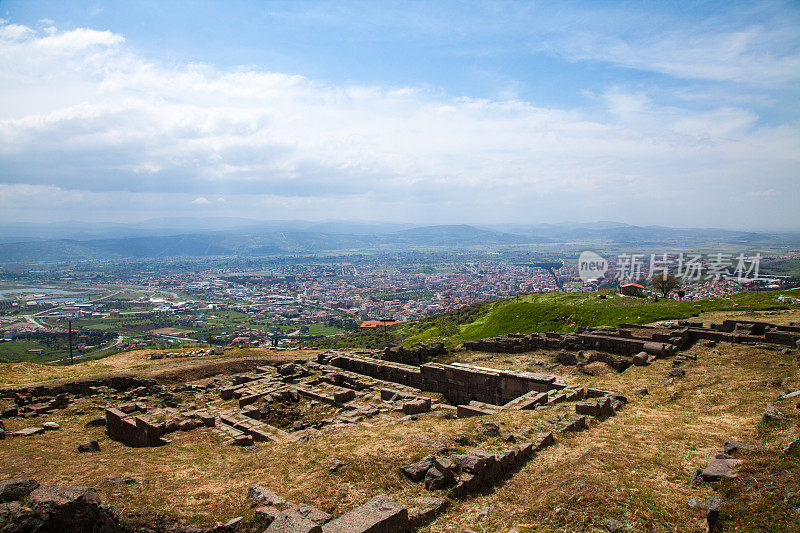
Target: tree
665, 284
681, 293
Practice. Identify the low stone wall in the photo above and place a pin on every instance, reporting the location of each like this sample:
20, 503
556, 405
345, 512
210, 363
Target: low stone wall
82, 387
459, 383
385, 370
134, 430
755, 327
615, 343
417, 354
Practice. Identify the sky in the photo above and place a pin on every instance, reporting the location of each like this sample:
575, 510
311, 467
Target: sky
683, 114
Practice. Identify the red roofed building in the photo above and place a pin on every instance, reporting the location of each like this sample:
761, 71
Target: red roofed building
632, 289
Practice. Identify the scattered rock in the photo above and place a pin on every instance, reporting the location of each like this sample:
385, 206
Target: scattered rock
474, 463
490, 429
425, 510
567, 358
718, 469
435, 479
712, 516
380, 514
612, 526
224, 527
50, 426
89, 447
286, 369
598, 408
96, 422
266, 513
72, 509
677, 373
642, 392
290, 521
16, 489
640, 359
696, 504
262, 496
792, 447
16, 517
543, 440
416, 471
28, 432
311, 513
772, 414
732, 446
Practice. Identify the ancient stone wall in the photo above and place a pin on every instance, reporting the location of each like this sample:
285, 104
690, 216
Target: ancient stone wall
84, 387
417, 354
459, 383
612, 342
133, 430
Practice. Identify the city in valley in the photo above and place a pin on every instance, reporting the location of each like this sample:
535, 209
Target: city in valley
281, 302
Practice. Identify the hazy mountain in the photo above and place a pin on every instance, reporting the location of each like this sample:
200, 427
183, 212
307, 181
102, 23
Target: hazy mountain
263, 243
81, 231
237, 236
461, 234
616, 233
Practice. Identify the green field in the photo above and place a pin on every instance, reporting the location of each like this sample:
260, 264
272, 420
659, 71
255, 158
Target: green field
16, 351
784, 267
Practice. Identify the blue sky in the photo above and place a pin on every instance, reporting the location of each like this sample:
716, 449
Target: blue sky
674, 113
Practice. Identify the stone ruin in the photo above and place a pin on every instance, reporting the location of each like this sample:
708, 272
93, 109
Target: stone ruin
301, 399
634, 344
416, 354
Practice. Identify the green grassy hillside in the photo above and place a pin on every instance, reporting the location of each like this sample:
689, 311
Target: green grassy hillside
542, 312
567, 311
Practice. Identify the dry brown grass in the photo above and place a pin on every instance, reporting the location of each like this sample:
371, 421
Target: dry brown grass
199, 479
782, 317
634, 467
132, 361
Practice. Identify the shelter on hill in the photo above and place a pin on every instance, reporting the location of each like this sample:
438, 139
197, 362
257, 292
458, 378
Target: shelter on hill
632, 289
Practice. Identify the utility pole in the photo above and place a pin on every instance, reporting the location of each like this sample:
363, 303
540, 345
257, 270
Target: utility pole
71, 360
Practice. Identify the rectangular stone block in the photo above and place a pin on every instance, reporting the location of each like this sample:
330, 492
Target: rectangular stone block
379, 515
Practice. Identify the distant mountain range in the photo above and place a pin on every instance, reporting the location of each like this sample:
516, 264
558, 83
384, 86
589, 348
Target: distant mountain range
82, 231
233, 236
262, 243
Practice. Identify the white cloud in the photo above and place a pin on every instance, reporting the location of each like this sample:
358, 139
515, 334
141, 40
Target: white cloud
753, 55
120, 126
